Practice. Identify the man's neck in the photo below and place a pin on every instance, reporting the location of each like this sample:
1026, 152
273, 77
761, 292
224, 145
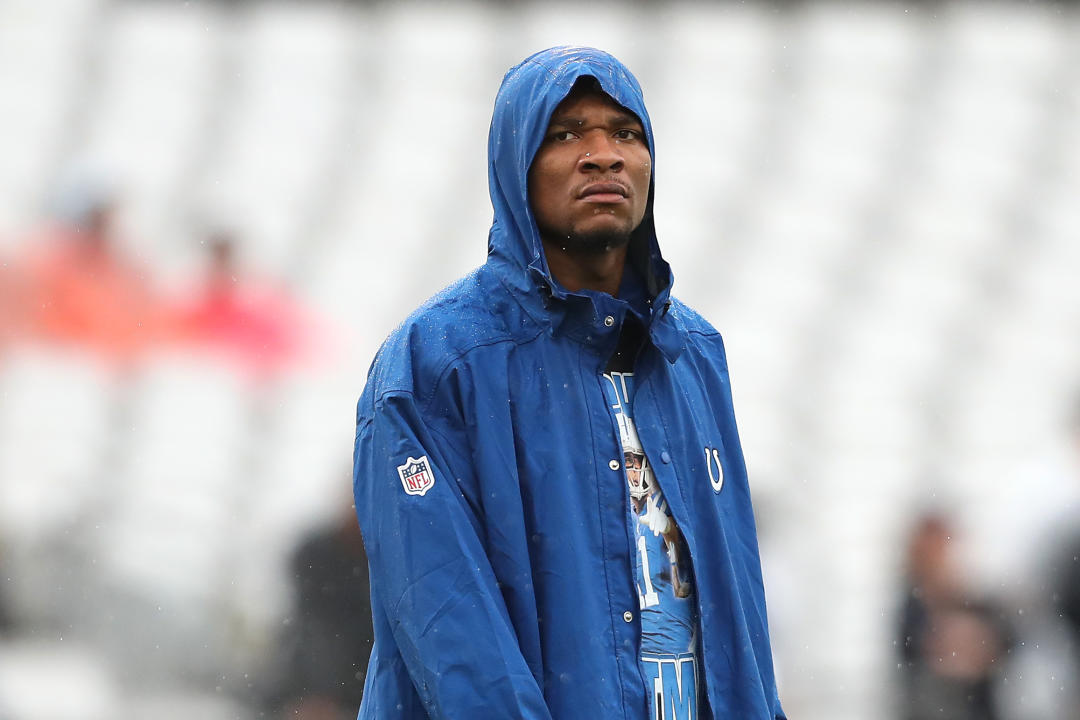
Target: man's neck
601, 272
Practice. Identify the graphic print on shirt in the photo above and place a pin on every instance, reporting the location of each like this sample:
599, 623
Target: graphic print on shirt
663, 574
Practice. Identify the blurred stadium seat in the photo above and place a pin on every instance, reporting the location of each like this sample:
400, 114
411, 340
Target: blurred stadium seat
42, 48
55, 430
32, 673
150, 110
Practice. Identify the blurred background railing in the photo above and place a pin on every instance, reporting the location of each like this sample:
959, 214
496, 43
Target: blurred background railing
211, 213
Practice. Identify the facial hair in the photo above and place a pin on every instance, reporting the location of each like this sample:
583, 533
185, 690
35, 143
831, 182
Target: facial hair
594, 243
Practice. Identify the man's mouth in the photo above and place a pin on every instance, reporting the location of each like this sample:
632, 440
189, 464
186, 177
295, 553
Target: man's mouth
604, 192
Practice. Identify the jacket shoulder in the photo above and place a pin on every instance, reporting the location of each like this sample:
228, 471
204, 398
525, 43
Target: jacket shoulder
691, 320
471, 313
702, 339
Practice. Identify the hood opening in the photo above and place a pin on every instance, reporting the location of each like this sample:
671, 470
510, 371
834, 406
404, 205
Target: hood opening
528, 96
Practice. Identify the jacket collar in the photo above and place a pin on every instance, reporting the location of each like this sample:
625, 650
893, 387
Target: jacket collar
582, 316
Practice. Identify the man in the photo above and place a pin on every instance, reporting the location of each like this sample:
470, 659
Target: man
509, 578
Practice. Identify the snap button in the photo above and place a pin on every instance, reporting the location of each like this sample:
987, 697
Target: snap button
609, 321
614, 464
628, 616
665, 458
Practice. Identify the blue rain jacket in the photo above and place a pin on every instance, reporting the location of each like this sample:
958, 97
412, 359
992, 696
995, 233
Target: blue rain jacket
488, 480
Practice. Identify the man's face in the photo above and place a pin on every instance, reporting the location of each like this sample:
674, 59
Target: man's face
589, 181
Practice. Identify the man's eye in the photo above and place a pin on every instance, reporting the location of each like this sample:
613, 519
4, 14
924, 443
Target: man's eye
562, 135
627, 134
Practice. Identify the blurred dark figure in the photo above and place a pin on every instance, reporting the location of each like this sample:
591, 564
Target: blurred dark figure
1065, 567
1066, 594
931, 581
260, 327
78, 288
952, 646
325, 654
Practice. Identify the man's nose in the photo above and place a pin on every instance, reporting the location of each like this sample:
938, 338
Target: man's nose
601, 154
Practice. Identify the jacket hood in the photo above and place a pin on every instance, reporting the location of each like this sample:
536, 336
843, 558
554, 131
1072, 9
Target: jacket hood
527, 97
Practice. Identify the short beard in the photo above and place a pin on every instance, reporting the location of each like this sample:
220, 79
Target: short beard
592, 243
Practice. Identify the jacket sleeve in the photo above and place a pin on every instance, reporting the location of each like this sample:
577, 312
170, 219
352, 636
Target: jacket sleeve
429, 567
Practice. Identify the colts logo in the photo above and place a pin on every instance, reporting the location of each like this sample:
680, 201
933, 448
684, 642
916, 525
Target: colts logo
712, 457
416, 476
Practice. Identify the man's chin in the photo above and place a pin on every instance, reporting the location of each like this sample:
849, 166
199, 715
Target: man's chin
597, 241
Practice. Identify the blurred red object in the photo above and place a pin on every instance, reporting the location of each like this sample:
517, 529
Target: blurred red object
76, 288
10, 305
261, 327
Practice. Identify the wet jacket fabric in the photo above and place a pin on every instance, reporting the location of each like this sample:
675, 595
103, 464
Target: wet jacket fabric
488, 478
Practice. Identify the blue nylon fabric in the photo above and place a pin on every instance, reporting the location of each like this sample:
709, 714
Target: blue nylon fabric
500, 591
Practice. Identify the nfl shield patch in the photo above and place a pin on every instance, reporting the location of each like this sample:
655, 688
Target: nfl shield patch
416, 475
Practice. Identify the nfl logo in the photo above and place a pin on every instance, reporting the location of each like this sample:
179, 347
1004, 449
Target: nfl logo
416, 476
